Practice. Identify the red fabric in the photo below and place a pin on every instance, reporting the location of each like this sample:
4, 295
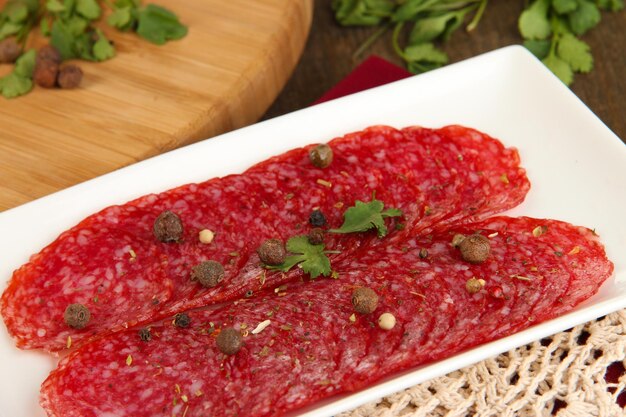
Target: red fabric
374, 72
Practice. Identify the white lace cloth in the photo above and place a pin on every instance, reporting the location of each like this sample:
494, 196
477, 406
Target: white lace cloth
561, 376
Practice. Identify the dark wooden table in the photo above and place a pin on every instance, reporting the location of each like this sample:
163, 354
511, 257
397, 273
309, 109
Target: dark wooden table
328, 58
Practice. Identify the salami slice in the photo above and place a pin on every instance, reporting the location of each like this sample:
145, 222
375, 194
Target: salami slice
113, 264
310, 343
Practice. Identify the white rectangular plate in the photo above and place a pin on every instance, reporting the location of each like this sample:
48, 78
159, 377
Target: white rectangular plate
576, 165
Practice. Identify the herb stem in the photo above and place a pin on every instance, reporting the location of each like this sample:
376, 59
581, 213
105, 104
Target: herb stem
370, 41
477, 16
395, 37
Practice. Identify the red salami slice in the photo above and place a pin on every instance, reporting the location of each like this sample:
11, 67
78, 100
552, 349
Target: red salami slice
310, 344
112, 263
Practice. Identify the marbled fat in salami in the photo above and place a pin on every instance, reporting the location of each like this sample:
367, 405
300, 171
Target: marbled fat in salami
112, 263
315, 345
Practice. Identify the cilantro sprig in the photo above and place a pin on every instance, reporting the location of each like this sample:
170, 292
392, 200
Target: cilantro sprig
416, 24
153, 23
550, 28
72, 26
311, 258
17, 18
365, 216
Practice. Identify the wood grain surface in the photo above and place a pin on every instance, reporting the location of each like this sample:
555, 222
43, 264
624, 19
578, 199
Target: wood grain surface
327, 58
148, 99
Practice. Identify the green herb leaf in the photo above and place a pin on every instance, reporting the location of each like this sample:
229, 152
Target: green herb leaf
611, 5
424, 57
410, 9
8, 29
560, 68
539, 48
25, 64
564, 6
55, 6
311, 258
121, 18
533, 22
18, 13
89, 9
362, 12
103, 49
575, 52
14, 86
62, 38
365, 216
429, 28
159, 25
45, 26
584, 18
19, 82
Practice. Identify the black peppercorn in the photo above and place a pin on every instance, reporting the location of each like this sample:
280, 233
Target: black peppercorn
317, 218
182, 320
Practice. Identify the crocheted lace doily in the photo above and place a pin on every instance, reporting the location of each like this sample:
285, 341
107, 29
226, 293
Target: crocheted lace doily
562, 376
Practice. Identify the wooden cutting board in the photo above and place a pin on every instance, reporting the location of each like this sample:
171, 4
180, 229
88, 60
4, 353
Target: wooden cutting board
149, 99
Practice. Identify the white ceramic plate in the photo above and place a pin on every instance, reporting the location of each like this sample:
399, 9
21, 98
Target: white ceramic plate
576, 165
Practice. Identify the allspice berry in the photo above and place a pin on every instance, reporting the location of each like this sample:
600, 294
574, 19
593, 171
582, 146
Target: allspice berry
70, 77
475, 249
208, 273
10, 51
364, 300
272, 252
229, 341
168, 227
45, 73
316, 236
49, 53
77, 316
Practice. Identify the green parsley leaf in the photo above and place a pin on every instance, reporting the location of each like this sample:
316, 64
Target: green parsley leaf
8, 29
584, 18
62, 38
560, 68
45, 26
365, 216
121, 18
19, 82
18, 13
409, 10
533, 22
89, 9
429, 28
539, 48
611, 5
158, 25
362, 12
564, 6
55, 6
575, 52
14, 86
424, 57
25, 64
311, 258
102, 49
